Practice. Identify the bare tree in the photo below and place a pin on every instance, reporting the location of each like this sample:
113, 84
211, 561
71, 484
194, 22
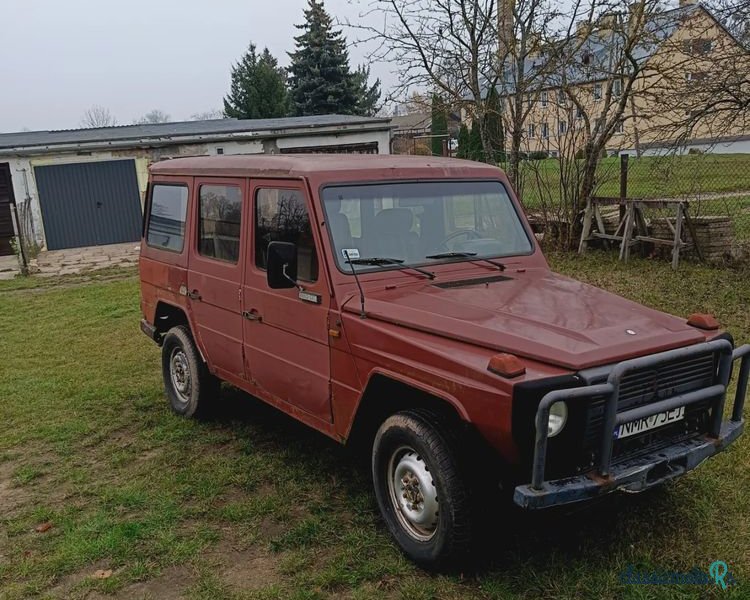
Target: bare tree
98, 116
706, 83
449, 46
208, 115
153, 116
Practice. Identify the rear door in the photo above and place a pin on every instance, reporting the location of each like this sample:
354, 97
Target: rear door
286, 331
215, 270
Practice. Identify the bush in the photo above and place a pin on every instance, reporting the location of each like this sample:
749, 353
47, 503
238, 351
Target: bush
538, 155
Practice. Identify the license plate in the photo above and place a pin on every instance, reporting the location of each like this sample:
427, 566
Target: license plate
652, 422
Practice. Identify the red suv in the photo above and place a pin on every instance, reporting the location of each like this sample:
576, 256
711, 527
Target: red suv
403, 302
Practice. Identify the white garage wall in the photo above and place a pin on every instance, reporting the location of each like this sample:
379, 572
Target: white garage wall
26, 193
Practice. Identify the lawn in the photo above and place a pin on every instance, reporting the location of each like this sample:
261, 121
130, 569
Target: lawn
654, 177
140, 503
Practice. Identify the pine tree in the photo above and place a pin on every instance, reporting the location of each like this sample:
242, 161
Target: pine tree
475, 151
258, 89
439, 125
367, 95
463, 142
321, 81
494, 126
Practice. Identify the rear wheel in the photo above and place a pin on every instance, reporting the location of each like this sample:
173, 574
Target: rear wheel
189, 385
420, 490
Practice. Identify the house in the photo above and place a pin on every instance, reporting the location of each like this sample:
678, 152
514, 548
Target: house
86, 187
679, 51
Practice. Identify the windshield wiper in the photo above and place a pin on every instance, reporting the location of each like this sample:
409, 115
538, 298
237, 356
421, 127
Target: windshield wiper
469, 255
377, 261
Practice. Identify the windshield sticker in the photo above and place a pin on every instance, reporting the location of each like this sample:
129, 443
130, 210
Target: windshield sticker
351, 252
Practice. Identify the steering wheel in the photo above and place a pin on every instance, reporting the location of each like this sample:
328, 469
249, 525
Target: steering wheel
471, 234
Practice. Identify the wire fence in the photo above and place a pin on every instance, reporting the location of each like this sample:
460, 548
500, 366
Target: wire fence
714, 187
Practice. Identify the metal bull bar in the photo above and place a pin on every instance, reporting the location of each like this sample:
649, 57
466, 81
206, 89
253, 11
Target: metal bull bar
611, 390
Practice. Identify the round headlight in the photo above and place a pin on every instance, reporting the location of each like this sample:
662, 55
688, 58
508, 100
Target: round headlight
558, 416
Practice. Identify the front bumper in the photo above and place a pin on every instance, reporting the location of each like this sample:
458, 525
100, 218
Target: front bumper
645, 471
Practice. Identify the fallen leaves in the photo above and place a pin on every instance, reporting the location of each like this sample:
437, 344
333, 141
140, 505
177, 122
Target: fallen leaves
42, 527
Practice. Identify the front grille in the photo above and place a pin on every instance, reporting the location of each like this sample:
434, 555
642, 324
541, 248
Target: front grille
651, 385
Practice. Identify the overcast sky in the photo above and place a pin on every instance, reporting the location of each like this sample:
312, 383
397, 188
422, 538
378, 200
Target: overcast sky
60, 57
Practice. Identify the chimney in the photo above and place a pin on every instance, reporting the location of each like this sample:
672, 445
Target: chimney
505, 31
684, 3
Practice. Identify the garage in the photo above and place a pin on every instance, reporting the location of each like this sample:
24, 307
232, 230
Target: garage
6, 224
81, 188
89, 204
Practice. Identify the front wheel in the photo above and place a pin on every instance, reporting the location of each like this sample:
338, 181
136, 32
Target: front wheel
190, 387
420, 490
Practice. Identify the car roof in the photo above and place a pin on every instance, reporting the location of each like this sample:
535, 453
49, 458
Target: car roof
325, 166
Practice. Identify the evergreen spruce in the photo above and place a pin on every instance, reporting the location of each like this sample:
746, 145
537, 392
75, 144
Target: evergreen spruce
475, 151
463, 142
368, 96
321, 81
258, 89
439, 125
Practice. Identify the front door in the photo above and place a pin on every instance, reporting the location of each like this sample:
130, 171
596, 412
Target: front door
215, 270
286, 331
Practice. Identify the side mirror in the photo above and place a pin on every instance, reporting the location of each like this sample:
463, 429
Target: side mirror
281, 267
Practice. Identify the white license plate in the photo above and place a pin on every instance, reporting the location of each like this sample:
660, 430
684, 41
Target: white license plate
652, 422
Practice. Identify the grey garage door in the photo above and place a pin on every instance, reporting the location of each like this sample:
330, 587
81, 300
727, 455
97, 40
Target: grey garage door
89, 204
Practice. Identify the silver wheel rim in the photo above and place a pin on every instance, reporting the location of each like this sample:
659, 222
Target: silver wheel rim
179, 372
413, 494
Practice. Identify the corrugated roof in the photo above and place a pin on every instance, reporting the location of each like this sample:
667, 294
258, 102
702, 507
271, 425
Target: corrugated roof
165, 131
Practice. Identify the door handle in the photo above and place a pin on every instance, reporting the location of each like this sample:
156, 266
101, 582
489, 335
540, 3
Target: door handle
252, 315
194, 295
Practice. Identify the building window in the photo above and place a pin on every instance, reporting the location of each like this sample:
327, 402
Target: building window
220, 222
617, 87
543, 97
220, 151
545, 131
529, 100
532, 130
562, 127
281, 216
697, 47
579, 112
597, 91
166, 221
620, 126
562, 98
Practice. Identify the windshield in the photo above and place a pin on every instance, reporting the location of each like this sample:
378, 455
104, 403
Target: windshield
422, 223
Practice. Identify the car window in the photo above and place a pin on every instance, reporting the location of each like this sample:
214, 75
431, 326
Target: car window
281, 216
166, 223
220, 222
422, 222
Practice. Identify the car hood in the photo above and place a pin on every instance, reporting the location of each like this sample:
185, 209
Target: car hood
535, 314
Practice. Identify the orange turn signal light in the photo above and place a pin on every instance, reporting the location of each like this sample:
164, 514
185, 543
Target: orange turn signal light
703, 321
506, 365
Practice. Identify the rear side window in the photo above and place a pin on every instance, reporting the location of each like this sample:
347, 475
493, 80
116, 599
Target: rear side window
281, 216
220, 222
166, 223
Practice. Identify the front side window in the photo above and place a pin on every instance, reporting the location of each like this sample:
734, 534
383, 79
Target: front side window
220, 222
166, 222
281, 216
422, 223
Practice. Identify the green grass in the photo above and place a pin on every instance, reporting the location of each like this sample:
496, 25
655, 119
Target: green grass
254, 505
655, 177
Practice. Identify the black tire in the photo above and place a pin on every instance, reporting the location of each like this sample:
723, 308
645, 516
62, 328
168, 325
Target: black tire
447, 539
202, 387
